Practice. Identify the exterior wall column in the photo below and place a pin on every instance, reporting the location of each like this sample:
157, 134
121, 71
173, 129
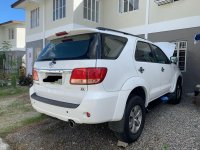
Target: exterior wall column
43, 23
147, 17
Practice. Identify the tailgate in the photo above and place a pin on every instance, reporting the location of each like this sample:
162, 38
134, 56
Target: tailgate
56, 63
54, 80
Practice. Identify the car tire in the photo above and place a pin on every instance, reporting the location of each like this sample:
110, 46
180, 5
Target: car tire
132, 121
175, 97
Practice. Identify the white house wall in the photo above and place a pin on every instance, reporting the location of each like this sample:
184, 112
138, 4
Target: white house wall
18, 43
78, 15
29, 30
114, 19
49, 23
168, 15
183, 23
172, 11
13, 42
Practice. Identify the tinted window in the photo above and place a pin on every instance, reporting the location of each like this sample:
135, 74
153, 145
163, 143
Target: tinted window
160, 56
112, 46
70, 48
144, 52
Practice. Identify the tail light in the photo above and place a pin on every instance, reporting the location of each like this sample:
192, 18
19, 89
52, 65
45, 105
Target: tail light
88, 76
35, 75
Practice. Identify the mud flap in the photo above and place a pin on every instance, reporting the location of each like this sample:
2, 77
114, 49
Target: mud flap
117, 126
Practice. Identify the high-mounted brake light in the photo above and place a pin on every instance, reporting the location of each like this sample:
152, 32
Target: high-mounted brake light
35, 75
61, 33
88, 76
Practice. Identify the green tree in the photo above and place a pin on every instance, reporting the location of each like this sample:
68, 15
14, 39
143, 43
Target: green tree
6, 46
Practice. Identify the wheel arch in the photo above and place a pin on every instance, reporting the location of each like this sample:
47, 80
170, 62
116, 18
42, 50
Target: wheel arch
180, 79
116, 125
139, 91
135, 86
177, 78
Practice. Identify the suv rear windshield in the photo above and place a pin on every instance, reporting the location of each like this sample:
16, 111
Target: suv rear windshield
84, 46
70, 48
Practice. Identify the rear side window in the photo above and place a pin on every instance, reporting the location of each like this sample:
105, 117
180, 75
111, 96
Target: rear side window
112, 46
71, 48
144, 53
160, 56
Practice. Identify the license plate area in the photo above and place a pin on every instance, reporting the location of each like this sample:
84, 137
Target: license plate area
53, 78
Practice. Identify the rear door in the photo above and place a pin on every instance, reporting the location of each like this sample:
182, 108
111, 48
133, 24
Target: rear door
56, 63
165, 67
147, 68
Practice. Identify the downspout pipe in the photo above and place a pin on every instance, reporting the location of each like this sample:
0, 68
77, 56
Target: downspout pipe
43, 22
147, 17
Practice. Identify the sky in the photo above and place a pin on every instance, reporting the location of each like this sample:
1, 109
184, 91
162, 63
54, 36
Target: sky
7, 13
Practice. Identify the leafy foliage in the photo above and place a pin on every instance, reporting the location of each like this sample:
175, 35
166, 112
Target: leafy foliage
4, 77
6, 46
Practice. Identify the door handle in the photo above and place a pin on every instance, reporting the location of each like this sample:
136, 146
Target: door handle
162, 69
141, 70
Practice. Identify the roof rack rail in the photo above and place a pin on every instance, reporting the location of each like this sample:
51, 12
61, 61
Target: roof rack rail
108, 29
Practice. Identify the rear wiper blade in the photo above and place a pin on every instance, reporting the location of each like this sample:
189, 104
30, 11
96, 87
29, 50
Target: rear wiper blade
52, 57
53, 60
44, 59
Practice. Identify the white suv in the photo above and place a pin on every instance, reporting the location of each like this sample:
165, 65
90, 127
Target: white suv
91, 76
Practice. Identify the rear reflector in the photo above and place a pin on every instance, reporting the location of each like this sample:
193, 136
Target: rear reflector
35, 75
61, 33
88, 114
88, 76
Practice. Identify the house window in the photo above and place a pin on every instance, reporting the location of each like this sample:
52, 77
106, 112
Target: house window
91, 10
128, 5
59, 9
181, 53
35, 16
11, 34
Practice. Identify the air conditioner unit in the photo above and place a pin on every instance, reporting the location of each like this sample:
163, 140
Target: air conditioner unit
163, 2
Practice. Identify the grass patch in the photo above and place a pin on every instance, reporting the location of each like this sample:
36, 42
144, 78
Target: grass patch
35, 119
165, 147
19, 106
10, 91
12, 128
15, 110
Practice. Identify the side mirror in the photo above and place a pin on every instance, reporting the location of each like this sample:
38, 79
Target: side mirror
174, 59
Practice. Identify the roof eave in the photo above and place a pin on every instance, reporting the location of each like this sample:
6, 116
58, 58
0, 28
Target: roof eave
11, 22
18, 4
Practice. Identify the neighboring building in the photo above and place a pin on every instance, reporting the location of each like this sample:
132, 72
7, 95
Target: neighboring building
175, 21
12, 33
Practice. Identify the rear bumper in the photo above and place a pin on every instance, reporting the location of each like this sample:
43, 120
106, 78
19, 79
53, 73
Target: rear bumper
53, 102
100, 105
